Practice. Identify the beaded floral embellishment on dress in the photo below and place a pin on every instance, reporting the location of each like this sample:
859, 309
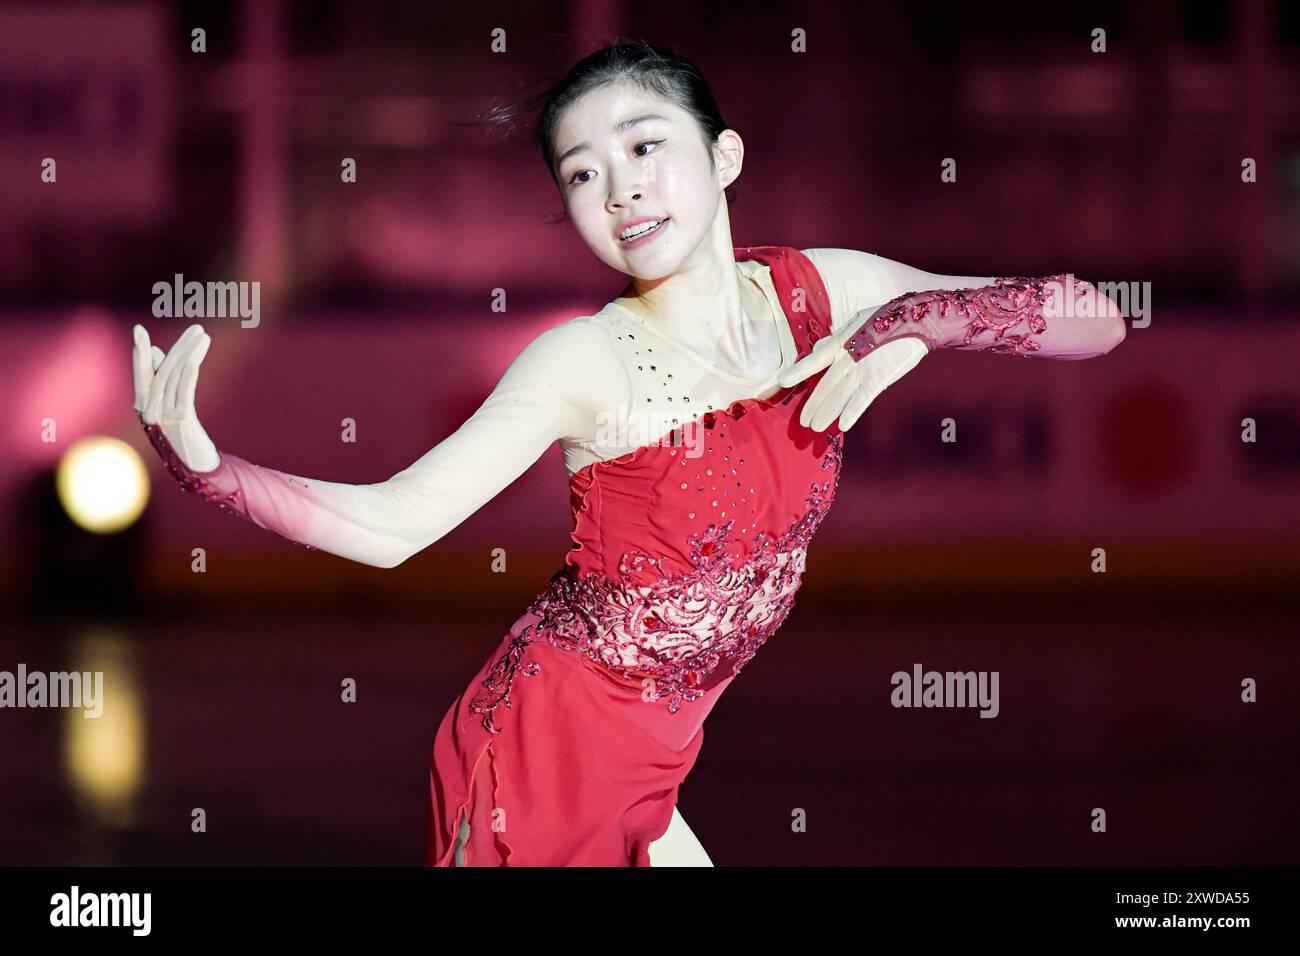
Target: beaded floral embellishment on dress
675, 628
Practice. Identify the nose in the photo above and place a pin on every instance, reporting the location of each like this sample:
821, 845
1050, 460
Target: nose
621, 196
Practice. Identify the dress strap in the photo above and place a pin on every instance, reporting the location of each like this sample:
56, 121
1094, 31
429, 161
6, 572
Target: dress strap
799, 287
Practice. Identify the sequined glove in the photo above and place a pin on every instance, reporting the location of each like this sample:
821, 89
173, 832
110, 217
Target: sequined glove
1053, 317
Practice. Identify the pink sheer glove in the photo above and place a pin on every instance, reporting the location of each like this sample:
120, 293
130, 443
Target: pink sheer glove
1019, 315
164, 402
224, 486
1055, 317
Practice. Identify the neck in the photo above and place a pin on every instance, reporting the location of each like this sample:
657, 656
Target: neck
708, 305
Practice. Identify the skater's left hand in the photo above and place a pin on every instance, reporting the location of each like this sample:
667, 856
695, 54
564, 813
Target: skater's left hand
850, 384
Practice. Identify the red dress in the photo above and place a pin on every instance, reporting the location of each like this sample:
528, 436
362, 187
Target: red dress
571, 741
576, 733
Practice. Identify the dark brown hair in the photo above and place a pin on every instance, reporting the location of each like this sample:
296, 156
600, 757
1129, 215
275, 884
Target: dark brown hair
654, 69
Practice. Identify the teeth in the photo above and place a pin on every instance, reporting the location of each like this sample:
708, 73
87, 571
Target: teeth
639, 230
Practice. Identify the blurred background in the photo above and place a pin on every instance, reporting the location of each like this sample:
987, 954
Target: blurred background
1171, 158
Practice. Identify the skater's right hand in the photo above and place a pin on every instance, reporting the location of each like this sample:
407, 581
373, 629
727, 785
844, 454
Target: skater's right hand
850, 384
164, 394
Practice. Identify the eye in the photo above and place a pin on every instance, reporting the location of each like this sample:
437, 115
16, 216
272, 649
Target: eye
574, 181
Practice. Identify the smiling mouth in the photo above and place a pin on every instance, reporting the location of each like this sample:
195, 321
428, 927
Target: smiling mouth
644, 232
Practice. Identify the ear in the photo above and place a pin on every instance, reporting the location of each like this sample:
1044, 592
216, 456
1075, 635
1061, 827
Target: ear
730, 152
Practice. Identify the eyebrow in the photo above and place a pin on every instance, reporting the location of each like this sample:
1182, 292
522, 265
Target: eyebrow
618, 128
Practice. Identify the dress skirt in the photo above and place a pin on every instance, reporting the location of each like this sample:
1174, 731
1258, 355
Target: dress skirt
582, 771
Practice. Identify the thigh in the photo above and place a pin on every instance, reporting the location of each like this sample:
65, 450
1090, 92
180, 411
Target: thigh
678, 846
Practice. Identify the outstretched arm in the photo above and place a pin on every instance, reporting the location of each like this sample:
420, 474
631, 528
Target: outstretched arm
881, 327
547, 393
876, 300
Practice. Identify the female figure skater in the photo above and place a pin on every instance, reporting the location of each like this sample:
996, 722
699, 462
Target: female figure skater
701, 415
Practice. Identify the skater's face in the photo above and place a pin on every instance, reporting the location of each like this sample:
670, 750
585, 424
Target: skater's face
622, 155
